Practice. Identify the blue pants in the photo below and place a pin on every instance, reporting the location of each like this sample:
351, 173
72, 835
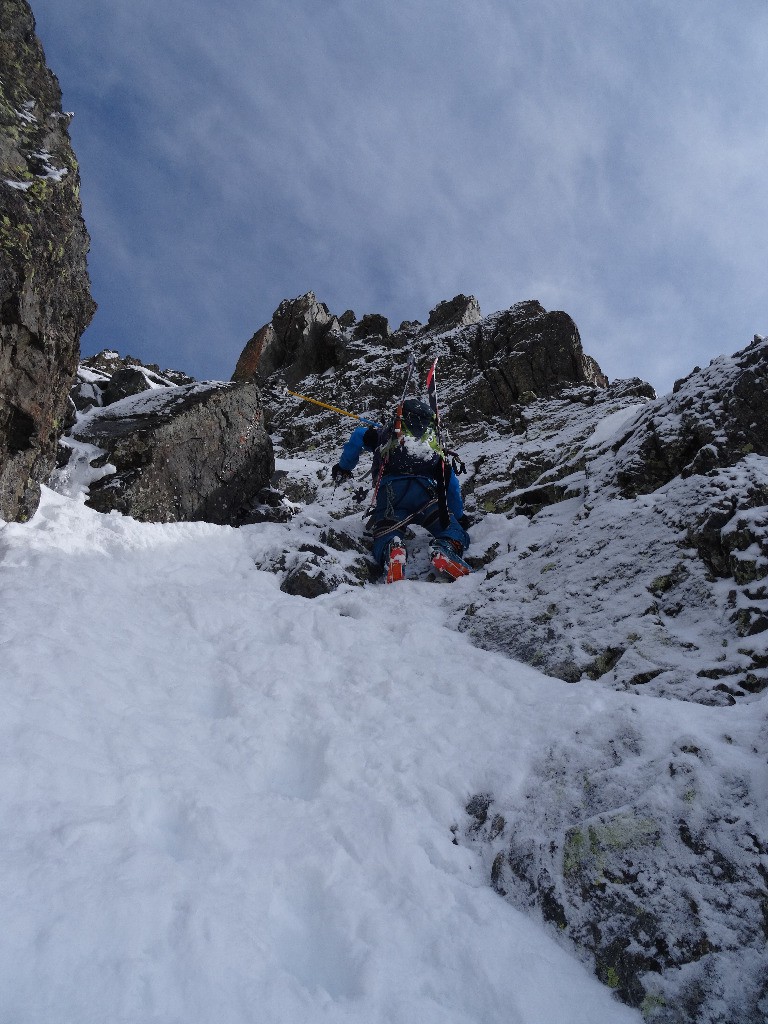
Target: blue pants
401, 497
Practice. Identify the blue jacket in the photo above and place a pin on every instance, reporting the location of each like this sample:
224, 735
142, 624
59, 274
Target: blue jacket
369, 439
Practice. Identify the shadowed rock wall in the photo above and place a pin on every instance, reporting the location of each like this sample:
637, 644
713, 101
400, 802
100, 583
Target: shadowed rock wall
195, 452
45, 300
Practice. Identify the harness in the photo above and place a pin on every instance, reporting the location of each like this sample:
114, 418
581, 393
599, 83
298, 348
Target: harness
426, 514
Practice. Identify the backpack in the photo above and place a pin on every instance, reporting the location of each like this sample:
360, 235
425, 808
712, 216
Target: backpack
409, 446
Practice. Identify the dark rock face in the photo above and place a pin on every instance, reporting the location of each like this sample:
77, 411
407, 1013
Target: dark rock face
337, 559
107, 378
108, 362
501, 361
632, 388
301, 339
527, 352
372, 325
194, 452
308, 580
45, 301
124, 383
457, 312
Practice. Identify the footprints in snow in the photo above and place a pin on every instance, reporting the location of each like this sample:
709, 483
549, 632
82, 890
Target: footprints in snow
298, 768
312, 940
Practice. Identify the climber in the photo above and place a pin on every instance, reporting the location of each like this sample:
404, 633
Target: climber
413, 483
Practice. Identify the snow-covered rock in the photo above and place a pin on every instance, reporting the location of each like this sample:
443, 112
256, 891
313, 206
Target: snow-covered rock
108, 377
619, 538
621, 544
167, 452
599, 562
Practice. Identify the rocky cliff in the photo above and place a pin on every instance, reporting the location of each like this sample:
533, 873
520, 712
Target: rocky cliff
45, 301
630, 527
515, 356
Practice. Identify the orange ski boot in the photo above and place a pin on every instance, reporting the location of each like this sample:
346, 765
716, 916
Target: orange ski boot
396, 561
447, 561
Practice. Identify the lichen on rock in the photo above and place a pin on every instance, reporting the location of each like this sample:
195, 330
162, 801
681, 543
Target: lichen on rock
45, 300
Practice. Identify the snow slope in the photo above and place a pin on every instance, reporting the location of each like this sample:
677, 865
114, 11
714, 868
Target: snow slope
374, 767
222, 803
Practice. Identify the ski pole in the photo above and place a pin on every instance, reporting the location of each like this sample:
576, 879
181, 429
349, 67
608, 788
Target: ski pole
333, 408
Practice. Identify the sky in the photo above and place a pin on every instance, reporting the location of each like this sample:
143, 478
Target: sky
607, 159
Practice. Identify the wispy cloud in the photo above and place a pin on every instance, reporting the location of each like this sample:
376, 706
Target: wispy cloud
606, 159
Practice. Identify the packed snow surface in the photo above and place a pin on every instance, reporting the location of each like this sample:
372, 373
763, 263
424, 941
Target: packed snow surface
223, 803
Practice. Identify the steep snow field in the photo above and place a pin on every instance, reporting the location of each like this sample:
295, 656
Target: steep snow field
228, 803
222, 803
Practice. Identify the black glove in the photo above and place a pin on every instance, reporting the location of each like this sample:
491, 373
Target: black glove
465, 522
339, 475
371, 439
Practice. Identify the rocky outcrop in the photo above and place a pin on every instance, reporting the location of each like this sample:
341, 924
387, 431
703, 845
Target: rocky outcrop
45, 301
108, 362
650, 860
108, 377
712, 420
372, 325
460, 311
191, 452
123, 384
660, 593
497, 362
527, 353
300, 339
646, 573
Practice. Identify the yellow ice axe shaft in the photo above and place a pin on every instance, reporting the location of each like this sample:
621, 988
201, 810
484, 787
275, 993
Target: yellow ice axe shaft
332, 408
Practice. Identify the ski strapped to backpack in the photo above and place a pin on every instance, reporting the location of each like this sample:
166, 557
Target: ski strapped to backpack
456, 461
410, 367
442, 480
397, 437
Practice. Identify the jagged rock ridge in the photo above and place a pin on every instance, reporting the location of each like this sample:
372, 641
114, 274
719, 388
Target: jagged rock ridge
45, 301
107, 377
517, 355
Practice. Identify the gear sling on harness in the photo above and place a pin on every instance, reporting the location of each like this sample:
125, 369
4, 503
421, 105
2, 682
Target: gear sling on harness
424, 515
